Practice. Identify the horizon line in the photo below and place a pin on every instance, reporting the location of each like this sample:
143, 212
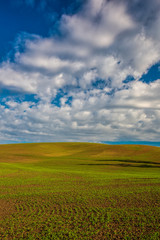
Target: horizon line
145, 143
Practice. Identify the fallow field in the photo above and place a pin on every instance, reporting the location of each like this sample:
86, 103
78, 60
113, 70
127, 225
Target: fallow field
79, 191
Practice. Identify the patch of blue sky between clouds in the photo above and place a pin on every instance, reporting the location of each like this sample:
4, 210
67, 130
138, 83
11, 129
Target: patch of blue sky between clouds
62, 98
152, 74
17, 97
156, 144
99, 84
128, 79
15, 19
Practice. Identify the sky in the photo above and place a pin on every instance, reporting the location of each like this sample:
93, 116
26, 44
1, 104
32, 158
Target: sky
80, 70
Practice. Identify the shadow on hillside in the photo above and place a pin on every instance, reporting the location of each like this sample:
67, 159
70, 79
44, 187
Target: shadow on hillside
128, 161
125, 163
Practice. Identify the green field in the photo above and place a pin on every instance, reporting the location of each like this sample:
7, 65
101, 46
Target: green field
79, 191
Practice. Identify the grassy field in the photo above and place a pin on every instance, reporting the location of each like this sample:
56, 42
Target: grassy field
79, 191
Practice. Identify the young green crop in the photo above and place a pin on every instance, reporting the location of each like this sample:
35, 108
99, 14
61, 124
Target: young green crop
79, 191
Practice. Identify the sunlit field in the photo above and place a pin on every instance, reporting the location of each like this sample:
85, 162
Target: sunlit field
79, 191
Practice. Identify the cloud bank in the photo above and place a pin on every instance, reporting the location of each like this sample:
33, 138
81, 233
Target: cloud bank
86, 83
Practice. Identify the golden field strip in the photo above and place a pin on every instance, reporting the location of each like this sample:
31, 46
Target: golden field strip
79, 191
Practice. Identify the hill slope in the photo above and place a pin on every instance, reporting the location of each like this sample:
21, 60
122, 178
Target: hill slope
35, 151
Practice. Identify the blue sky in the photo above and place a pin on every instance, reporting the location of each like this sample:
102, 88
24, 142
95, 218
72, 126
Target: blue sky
80, 71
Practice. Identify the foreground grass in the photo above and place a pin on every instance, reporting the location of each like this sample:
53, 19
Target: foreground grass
79, 191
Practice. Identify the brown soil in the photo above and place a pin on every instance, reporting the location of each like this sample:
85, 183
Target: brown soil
7, 207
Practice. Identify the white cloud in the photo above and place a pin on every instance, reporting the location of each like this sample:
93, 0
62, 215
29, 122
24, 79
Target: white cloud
50, 63
139, 95
139, 52
10, 77
96, 25
93, 116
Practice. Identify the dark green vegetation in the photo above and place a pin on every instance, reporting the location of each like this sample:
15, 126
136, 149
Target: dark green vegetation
79, 191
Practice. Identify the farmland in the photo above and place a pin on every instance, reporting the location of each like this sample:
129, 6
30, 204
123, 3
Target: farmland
79, 191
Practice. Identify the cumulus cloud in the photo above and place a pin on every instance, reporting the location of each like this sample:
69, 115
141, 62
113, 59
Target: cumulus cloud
93, 116
96, 25
98, 48
140, 95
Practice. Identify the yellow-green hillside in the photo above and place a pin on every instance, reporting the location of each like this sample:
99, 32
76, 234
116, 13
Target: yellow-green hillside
35, 151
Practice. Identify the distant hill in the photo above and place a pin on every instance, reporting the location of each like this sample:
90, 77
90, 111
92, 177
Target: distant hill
35, 152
